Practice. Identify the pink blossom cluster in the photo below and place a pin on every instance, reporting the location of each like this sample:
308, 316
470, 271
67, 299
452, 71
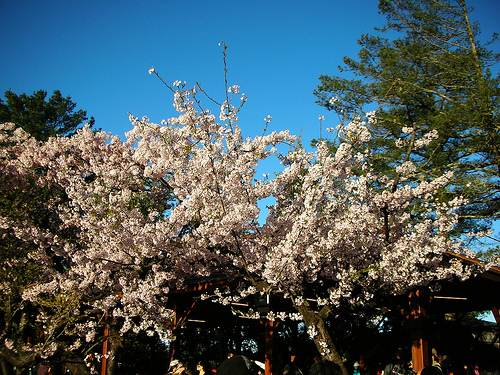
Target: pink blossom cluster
180, 200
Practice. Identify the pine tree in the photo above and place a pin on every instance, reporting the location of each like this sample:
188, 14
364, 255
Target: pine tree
40, 117
427, 72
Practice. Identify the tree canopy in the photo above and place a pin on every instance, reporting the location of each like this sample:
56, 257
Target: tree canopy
180, 200
40, 117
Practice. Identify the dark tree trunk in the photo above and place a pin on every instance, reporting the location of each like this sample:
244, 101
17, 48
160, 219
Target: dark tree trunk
322, 339
12, 360
6, 367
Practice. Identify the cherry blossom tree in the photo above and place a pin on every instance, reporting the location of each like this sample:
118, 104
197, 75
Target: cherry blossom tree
180, 200
120, 242
34, 237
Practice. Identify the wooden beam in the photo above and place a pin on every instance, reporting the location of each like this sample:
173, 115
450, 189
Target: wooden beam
104, 365
180, 317
419, 345
496, 314
419, 351
270, 327
179, 320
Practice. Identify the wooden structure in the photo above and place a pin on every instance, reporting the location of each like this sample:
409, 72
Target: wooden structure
478, 293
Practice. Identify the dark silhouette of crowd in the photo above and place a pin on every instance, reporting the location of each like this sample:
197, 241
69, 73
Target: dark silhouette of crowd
399, 364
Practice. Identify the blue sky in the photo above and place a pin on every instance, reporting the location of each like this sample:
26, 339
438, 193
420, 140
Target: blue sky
99, 52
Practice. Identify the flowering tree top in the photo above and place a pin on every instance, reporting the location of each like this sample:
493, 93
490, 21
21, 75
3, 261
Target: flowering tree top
180, 199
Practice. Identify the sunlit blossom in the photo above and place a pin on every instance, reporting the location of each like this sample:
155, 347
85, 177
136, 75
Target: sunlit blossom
183, 197
333, 100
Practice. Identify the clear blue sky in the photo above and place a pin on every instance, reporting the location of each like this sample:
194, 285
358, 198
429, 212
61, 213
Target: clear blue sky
99, 52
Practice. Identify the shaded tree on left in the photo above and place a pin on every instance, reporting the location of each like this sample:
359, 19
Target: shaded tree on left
44, 246
40, 117
23, 200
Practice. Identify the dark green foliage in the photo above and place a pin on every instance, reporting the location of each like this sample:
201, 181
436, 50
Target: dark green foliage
40, 117
427, 71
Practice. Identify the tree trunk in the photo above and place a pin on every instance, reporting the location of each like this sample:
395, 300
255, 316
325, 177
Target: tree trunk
12, 359
322, 338
112, 346
5, 366
485, 110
